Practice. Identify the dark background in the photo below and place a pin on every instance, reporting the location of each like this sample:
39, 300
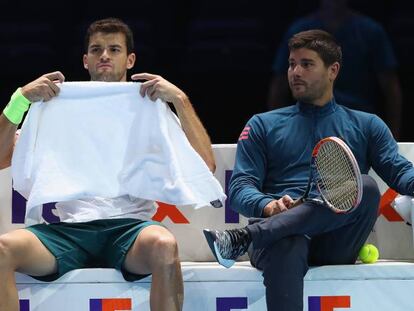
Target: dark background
219, 52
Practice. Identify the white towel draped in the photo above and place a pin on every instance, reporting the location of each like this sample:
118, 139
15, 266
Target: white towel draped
102, 139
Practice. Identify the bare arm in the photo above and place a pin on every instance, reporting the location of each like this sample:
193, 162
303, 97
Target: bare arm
157, 87
7, 132
279, 94
42, 88
391, 89
195, 131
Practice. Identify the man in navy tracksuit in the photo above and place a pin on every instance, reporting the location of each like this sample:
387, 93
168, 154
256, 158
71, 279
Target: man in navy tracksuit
272, 167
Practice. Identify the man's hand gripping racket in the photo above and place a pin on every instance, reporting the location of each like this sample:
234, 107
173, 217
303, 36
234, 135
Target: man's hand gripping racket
335, 174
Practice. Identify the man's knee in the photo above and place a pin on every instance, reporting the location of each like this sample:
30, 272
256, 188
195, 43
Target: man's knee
371, 193
370, 186
166, 248
6, 256
163, 249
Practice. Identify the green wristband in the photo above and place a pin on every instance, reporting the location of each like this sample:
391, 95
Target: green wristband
16, 107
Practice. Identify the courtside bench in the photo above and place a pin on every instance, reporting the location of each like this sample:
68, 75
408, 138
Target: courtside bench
384, 286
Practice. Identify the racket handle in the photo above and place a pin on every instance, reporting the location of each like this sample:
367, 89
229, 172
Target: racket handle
297, 202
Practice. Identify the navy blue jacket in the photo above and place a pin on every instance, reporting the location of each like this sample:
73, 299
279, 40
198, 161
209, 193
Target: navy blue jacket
274, 152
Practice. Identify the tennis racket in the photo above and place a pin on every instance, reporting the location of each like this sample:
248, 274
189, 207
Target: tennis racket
335, 174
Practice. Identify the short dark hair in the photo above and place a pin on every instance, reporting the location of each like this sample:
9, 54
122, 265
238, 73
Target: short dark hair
111, 25
319, 41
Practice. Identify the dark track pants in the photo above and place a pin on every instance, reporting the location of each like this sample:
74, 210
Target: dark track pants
285, 245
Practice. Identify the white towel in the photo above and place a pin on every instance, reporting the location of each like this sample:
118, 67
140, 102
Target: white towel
404, 205
102, 139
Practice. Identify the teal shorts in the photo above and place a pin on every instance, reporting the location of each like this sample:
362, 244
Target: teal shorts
94, 244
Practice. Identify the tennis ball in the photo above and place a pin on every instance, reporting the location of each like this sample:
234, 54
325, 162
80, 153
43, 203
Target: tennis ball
368, 253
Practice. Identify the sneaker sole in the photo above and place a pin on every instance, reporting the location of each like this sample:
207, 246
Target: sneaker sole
211, 240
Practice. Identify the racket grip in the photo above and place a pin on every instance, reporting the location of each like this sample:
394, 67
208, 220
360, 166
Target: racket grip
297, 202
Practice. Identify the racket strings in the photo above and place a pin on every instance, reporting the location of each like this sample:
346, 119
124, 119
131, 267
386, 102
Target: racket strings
337, 179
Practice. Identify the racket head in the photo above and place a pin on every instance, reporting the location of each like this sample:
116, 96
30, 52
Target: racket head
336, 175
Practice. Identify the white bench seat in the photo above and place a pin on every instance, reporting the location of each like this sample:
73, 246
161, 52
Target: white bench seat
206, 283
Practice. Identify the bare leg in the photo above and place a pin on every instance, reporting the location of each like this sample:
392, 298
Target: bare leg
21, 251
155, 251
